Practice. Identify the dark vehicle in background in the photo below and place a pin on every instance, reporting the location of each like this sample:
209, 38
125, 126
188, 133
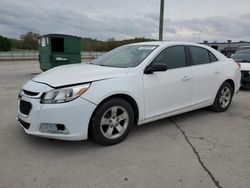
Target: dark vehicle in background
228, 51
243, 57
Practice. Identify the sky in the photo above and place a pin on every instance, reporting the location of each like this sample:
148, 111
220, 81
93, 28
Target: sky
190, 20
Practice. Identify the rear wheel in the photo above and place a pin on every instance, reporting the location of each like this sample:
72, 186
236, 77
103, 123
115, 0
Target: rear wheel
112, 121
223, 98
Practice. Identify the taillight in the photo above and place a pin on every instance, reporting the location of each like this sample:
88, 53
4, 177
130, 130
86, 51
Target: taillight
238, 65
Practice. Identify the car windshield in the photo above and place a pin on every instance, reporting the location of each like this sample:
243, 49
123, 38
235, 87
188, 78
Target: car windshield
244, 57
125, 56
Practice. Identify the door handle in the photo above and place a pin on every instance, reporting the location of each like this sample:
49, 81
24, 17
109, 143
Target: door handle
185, 78
217, 71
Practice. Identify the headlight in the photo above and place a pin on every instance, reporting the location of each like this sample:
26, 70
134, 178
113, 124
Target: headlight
64, 94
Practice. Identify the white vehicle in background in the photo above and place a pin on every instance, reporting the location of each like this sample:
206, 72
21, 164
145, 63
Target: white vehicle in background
131, 85
243, 57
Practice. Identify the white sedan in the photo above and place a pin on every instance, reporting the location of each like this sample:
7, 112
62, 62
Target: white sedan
131, 85
243, 58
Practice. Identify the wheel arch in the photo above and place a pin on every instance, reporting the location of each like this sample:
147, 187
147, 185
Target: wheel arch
215, 106
231, 82
127, 98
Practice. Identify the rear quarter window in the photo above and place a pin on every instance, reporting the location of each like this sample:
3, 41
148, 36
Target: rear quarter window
212, 57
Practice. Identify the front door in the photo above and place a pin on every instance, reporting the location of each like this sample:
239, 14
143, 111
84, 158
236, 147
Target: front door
169, 91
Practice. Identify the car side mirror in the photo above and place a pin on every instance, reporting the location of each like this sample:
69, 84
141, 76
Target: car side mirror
157, 67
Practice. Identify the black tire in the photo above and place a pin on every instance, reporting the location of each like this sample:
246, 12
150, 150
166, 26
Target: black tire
218, 104
104, 111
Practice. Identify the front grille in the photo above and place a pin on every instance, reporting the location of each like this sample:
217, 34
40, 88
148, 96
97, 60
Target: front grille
30, 93
24, 124
25, 107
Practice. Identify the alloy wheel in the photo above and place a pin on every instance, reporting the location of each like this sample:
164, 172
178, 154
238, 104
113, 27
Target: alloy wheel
225, 97
114, 122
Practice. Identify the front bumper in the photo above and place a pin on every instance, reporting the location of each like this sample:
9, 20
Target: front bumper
75, 115
245, 78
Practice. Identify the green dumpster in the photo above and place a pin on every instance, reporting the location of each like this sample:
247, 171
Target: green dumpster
58, 49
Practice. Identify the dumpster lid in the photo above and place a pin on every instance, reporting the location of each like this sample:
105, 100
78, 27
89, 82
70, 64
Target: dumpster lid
59, 35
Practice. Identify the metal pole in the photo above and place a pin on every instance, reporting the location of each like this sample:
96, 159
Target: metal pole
161, 20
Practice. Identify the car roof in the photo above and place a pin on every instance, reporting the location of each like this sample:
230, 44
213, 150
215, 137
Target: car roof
243, 51
164, 44
168, 43
244, 47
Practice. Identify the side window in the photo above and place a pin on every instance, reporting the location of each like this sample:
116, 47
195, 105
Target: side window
199, 55
212, 57
173, 57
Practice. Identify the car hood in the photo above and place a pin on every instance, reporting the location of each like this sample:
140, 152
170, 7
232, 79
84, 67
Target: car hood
78, 73
245, 66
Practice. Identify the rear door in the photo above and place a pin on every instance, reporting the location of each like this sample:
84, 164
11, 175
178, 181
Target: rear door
207, 73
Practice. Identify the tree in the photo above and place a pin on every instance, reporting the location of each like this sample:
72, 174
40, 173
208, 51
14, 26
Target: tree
30, 40
16, 44
5, 44
88, 44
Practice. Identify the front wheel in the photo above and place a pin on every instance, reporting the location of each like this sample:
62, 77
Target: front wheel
112, 121
223, 98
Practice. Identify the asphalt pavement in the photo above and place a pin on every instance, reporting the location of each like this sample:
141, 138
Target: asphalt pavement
196, 149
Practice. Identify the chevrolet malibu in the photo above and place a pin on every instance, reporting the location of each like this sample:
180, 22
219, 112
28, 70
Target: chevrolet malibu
131, 85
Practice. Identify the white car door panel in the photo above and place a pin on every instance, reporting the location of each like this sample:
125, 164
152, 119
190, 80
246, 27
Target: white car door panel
168, 91
206, 76
206, 82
